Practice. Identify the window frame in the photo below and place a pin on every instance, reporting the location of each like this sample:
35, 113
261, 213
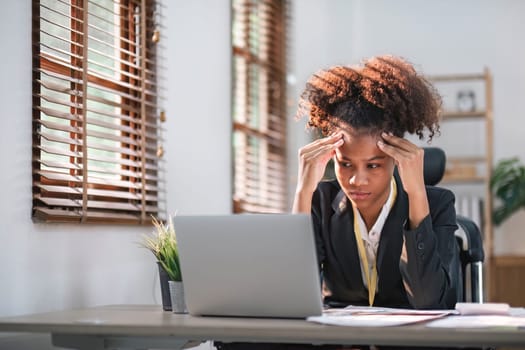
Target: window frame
259, 105
75, 191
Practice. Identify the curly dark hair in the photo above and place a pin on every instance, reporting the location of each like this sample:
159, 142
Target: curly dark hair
385, 93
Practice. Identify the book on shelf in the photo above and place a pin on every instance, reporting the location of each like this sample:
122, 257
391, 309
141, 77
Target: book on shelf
470, 206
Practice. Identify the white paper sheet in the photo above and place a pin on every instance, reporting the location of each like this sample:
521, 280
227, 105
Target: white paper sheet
485, 321
371, 320
365, 316
373, 310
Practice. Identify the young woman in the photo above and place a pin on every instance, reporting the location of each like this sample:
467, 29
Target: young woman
383, 238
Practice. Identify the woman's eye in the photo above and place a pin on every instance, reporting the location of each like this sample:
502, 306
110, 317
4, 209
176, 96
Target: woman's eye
373, 166
345, 164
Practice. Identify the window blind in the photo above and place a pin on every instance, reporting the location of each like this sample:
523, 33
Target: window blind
97, 110
259, 29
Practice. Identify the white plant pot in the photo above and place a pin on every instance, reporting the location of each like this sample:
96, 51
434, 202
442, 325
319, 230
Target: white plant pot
178, 303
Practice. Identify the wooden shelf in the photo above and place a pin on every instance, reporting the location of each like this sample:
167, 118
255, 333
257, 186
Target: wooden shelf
481, 114
466, 160
462, 170
461, 179
456, 77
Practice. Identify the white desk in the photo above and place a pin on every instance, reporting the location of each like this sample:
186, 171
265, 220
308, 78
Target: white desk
142, 327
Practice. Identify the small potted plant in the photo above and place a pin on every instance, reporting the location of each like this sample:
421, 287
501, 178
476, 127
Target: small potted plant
508, 184
162, 242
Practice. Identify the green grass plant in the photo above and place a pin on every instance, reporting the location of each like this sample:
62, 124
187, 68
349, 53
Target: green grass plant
162, 242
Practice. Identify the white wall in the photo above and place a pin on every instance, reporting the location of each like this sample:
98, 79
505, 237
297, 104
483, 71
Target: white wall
198, 105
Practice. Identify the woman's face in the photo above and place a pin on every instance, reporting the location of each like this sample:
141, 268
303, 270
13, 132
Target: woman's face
363, 170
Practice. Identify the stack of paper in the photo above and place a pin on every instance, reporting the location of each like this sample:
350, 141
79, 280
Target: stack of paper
466, 315
376, 316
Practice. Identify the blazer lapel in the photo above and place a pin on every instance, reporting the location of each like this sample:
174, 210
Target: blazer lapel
391, 241
342, 239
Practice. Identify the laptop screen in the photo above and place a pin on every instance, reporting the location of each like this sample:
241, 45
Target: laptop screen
256, 265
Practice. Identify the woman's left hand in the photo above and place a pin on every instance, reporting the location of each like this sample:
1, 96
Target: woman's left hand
409, 160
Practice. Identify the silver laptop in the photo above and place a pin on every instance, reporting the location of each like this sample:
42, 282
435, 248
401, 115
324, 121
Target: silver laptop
255, 265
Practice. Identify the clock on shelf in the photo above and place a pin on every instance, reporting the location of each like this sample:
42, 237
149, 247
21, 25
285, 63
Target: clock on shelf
466, 101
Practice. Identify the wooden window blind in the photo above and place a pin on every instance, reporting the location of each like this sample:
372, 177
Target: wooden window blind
97, 111
259, 32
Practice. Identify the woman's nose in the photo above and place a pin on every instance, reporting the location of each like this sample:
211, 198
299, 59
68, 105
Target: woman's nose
358, 178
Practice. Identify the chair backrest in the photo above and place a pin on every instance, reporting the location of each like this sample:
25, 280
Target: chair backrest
434, 165
468, 234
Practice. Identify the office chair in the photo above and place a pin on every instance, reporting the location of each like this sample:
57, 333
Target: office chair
468, 235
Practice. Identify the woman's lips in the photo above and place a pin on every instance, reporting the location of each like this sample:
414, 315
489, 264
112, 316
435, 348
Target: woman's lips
358, 195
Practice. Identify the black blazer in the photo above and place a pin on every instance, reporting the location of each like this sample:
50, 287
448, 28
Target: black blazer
427, 278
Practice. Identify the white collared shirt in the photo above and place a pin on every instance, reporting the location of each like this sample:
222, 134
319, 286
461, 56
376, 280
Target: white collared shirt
371, 238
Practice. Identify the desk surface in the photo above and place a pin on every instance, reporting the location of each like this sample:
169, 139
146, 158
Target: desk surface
148, 322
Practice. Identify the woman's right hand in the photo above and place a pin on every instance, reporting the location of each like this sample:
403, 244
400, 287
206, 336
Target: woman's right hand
312, 164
